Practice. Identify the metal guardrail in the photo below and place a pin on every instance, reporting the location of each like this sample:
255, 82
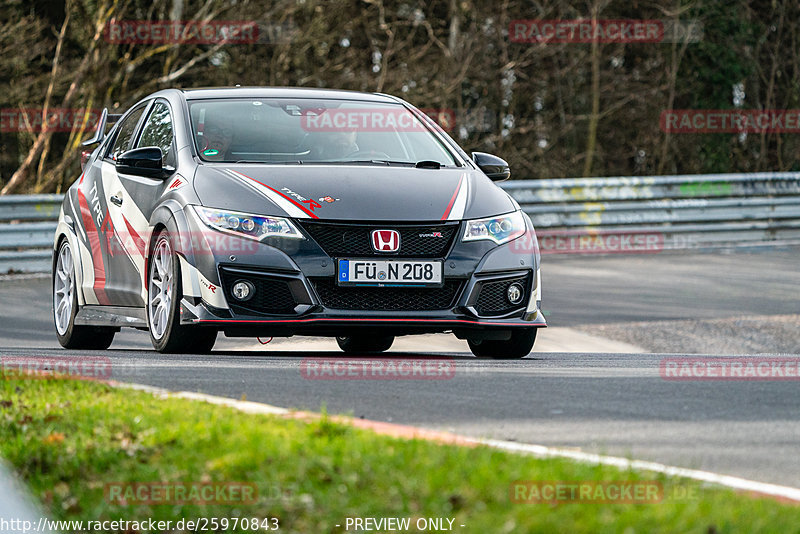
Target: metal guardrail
591, 215
571, 215
27, 225
30, 207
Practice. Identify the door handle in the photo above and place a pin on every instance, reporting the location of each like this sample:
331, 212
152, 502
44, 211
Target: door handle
116, 200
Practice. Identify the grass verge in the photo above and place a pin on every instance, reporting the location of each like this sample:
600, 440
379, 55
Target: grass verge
69, 439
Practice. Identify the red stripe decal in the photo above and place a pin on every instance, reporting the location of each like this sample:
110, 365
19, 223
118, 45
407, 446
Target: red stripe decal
453, 200
290, 199
97, 254
137, 240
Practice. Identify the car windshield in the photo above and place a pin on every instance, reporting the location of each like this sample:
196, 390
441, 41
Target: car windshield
278, 130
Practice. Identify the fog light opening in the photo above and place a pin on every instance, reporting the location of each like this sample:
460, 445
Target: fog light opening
514, 293
243, 290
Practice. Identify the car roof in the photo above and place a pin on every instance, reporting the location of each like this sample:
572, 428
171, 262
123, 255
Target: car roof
279, 92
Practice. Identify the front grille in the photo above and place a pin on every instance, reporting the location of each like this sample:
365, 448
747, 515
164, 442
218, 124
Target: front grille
387, 298
353, 240
492, 298
272, 295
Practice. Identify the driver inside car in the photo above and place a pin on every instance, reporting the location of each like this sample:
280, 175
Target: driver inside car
332, 146
217, 136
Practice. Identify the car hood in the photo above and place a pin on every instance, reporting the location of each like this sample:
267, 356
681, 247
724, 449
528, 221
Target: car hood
352, 192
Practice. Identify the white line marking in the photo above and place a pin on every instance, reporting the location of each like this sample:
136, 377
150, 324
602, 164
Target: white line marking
642, 465
242, 406
23, 276
542, 451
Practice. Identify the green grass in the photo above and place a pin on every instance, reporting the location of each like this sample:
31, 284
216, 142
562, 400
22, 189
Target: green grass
68, 438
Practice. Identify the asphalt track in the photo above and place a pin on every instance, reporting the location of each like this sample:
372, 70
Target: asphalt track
606, 402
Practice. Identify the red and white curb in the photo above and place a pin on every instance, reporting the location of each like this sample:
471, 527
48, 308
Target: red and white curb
759, 489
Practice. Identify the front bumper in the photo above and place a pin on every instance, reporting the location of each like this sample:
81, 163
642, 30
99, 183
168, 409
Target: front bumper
327, 322
297, 278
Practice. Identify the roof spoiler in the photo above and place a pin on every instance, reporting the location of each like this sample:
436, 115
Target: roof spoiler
100, 134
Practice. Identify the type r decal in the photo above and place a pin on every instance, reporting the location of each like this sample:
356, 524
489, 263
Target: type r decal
292, 207
91, 225
311, 203
94, 201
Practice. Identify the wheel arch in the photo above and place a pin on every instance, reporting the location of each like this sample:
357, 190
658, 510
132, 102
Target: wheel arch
63, 232
168, 216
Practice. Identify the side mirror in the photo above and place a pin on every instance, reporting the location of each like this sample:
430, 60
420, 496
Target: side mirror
146, 161
495, 168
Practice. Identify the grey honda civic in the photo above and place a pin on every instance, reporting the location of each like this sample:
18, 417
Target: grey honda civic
290, 211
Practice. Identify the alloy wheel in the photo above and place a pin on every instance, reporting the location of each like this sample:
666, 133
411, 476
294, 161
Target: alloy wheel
161, 290
62, 289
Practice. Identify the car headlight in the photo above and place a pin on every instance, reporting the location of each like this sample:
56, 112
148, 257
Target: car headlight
246, 225
500, 229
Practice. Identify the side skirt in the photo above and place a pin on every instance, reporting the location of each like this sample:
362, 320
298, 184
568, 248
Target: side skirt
111, 316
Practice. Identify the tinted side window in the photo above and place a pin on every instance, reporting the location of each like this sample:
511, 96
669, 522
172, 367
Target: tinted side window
157, 131
125, 132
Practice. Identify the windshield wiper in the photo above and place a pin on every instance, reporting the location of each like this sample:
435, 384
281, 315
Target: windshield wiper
353, 162
379, 161
293, 162
424, 164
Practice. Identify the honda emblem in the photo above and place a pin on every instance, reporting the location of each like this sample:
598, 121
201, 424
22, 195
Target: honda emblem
386, 240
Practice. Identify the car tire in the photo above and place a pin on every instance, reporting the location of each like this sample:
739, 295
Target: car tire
362, 344
164, 296
517, 347
65, 307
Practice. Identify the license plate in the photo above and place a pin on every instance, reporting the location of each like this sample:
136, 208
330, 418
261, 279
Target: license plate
389, 272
